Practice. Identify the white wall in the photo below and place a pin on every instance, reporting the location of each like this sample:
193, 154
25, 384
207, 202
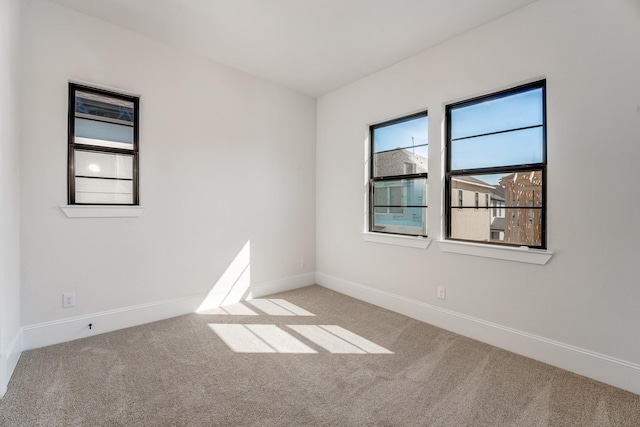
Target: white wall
225, 158
584, 302
10, 334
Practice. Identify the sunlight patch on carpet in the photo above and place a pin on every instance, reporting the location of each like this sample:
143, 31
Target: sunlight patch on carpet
278, 307
249, 338
237, 309
259, 339
338, 340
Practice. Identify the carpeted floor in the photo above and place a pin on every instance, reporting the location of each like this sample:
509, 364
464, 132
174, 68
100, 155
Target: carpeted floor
301, 358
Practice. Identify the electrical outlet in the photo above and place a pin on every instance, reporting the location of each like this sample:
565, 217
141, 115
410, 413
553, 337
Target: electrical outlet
442, 292
69, 300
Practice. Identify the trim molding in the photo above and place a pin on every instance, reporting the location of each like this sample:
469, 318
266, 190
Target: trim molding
607, 369
100, 211
9, 360
508, 253
72, 328
397, 239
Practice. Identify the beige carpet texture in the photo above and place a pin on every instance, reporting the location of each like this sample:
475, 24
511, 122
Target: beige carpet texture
308, 357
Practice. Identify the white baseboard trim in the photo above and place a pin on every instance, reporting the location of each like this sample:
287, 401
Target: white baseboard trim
610, 370
9, 360
58, 331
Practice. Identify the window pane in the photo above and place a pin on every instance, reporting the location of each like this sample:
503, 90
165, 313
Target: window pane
391, 199
522, 226
400, 192
511, 195
466, 191
410, 221
104, 107
509, 112
518, 226
103, 165
522, 189
402, 161
503, 149
405, 134
97, 190
471, 224
103, 134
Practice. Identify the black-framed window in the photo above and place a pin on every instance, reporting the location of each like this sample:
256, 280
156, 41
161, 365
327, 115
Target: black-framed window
103, 147
398, 176
496, 145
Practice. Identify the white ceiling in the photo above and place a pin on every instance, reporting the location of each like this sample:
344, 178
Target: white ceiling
312, 46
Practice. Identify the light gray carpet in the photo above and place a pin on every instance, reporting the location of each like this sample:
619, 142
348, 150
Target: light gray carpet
179, 372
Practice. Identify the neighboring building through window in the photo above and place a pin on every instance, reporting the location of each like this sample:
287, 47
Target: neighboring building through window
398, 176
496, 145
103, 147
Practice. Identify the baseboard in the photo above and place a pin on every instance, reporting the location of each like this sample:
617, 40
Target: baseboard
600, 367
9, 360
58, 331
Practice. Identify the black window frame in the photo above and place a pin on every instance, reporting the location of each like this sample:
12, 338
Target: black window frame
73, 146
529, 167
411, 176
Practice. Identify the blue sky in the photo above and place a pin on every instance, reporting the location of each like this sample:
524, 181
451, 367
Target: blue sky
400, 135
510, 148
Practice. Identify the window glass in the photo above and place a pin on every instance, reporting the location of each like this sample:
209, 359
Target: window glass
103, 191
496, 152
516, 111
103, 165
101, 133
398, 176
400, 148
501, 149
103, 147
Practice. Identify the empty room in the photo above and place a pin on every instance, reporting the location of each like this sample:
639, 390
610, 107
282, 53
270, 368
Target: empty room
319, 212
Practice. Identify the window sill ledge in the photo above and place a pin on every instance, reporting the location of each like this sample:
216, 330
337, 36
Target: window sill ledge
521, 254
94, 211
398, 240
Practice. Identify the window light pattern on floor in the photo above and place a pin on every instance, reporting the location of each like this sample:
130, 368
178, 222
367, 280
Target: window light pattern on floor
259, 339
272, 339
272, 307
336, 339
279, 307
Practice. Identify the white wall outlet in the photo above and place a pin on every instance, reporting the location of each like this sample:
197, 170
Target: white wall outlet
442, 292
68, 300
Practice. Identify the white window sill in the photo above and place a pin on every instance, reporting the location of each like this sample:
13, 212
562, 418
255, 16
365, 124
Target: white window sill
398, 240
94, 211
508, 253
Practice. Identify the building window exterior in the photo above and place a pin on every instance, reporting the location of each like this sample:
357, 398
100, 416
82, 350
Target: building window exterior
496, 146
102, 147
398, 176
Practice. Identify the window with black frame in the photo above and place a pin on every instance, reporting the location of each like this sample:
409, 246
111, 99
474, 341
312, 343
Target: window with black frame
103, 147
398, 176
496, 146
